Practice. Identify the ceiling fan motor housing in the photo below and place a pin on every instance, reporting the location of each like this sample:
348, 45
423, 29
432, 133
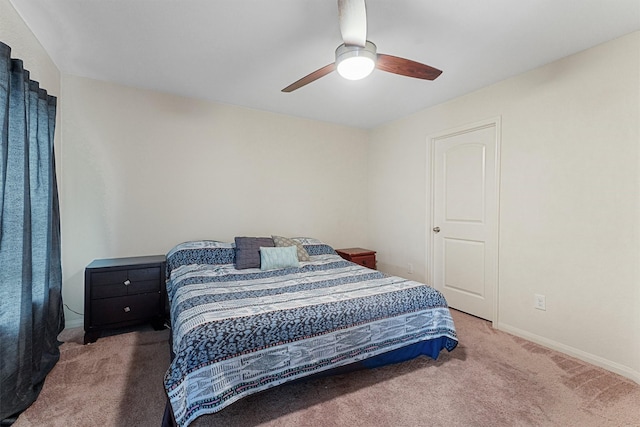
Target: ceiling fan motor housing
356, 62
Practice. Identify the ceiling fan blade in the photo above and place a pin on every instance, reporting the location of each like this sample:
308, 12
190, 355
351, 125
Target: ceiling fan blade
310, 78
406, 67
353, 22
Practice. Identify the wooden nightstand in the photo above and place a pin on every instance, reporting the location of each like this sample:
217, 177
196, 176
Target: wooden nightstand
122, 292
364, 257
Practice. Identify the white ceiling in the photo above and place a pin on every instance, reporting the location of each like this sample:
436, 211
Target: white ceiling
243, 52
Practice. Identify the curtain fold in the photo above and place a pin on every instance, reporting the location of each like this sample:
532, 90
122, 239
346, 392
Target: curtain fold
31, 313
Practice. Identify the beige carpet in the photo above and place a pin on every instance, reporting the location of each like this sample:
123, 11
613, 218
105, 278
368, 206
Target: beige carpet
490, 379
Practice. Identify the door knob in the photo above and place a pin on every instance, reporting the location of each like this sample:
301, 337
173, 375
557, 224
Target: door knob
436, 229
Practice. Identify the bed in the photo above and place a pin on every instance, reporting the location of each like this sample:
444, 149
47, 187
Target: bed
239, 330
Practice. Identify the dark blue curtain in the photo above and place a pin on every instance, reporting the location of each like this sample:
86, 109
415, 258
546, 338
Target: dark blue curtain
31, 314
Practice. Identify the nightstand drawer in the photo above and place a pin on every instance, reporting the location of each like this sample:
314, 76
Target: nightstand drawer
125, 282
144, 280
144, 287
368, 261
116, 277
144, 274
108, 291
124, 309
120, 276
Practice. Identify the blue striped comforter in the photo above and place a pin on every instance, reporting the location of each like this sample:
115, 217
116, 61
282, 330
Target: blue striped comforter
237, 332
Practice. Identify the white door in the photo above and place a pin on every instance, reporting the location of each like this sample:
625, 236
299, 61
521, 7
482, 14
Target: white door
465, 218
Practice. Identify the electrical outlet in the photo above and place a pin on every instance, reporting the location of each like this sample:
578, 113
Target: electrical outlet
540, 302
410, 268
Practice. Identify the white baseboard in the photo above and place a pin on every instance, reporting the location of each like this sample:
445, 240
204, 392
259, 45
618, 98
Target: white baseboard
617, 368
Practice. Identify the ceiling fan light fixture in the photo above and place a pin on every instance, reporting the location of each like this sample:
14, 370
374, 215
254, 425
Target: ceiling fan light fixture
356, 62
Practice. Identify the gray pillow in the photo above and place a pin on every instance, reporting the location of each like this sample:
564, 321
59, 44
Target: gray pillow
248, 251
303, 255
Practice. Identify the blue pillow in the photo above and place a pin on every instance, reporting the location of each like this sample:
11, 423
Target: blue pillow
278, 257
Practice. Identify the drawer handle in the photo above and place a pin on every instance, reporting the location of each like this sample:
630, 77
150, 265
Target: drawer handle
127, 282
127, 309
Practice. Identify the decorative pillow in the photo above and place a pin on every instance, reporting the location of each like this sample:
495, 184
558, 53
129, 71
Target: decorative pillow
308, 241
248, 251
321, 249
279, 257
280, 241
200, 252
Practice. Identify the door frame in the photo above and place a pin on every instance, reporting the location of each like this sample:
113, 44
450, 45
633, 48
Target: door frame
430, 209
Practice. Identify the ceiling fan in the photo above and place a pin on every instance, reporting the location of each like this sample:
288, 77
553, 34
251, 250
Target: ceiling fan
357, 57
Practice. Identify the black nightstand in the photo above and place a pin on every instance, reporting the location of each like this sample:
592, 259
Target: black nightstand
123, 291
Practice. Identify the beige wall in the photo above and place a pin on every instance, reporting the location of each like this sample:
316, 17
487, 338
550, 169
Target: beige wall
24, 45
144, 171
569, 199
